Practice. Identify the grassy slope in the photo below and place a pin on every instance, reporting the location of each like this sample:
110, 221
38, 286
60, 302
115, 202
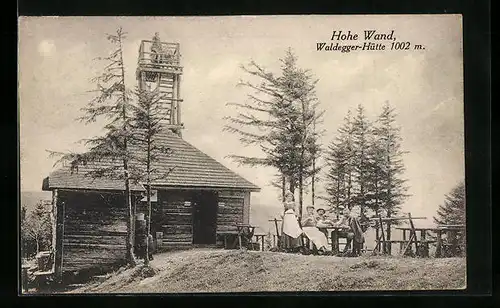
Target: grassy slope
239, 271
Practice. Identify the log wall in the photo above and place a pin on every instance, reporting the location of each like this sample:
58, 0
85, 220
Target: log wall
94, 230
230, 211
173, 216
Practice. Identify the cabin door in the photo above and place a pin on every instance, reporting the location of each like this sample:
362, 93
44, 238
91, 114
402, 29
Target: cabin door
205, 217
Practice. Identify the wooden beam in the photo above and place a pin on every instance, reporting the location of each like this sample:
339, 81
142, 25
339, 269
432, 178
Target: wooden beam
178, 96
53, 220
396, 218
99, 191
413, 231
409, 244
173, 104
62, 236
382, 233
160, 186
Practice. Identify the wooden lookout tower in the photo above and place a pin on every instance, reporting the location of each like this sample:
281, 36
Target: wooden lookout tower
159, 68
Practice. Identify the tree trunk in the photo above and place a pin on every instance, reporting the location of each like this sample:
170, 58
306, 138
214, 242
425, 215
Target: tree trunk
312, 189
362, 203
389, 246
313, 182
337, 197
37, 245
283, 187
292, 185
349, 185
130, 222
301, 195
148, 198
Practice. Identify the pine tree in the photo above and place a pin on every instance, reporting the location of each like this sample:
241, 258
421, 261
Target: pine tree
24, 232
452, 211
388, 162
147, 128
340, 161
112, 102
37, 226
361, 147
281, 119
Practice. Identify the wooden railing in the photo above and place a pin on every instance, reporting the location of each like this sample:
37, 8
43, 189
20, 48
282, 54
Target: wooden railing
168, 55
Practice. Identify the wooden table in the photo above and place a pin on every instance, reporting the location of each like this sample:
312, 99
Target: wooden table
237, 242
452, 232
334, 235
226, 235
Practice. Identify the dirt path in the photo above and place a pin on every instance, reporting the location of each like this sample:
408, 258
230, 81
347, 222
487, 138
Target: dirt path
238, 271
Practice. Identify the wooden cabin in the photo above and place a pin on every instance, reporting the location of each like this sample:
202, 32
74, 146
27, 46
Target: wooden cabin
199, 199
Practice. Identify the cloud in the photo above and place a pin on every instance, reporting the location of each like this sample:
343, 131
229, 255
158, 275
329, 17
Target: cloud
46, 47
226, 70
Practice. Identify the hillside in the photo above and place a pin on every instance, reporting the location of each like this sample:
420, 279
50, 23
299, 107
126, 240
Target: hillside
31, 198
260, 215
203, 270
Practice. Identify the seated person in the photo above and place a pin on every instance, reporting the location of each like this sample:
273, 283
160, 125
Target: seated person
353, 231
322, 221
317, 237
309, 220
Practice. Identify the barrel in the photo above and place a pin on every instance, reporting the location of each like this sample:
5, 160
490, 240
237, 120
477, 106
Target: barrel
159, 239
140, 232
24, 276
43, 260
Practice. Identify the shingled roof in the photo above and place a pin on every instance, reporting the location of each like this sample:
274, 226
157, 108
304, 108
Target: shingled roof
191, 168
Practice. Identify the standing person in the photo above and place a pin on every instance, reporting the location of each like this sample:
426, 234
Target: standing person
156, 48
151, 247
290, 229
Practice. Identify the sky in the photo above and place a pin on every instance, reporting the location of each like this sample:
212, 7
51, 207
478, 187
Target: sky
56, 62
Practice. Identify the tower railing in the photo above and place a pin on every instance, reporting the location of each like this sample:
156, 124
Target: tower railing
167, 57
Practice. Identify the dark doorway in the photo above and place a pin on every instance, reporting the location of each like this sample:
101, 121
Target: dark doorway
204, 206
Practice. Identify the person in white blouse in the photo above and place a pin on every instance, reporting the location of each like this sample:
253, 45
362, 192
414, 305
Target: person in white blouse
290, 228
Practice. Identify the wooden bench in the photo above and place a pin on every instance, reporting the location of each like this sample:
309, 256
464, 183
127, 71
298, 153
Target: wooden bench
42, 278
403, 243
241, 237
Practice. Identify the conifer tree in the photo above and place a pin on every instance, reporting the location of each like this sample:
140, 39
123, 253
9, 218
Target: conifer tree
37, 226
452, 211
149, 150
340, 161
388, 162
280, 119
361, 130
112, 102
